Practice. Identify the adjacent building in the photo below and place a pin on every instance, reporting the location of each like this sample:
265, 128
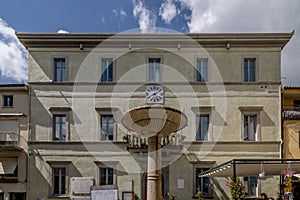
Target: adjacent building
14, 112
228, 86
291, 125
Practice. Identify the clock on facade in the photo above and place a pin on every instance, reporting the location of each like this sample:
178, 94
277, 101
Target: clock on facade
154, 94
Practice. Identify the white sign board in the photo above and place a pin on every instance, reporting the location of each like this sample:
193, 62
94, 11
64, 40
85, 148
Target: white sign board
180, 183
104, 194
81, 185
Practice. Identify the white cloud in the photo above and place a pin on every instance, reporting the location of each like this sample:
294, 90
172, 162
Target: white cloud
119, 12
251, 16
145, 17
168, 11
62, 31
13, 55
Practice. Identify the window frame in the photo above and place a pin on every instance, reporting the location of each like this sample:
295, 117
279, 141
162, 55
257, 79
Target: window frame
160, 69
197, 71
101, 69
60, 111
108, 164
57, 165
114, 126
256, 74
247, 186
203, 167
208, 137
54, 72
4, 101
60, 115
248, 111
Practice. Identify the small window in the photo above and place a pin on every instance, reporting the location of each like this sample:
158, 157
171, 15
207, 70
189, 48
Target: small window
250, 127
250, 184
297, 105
107, 127
202, 127
59, 180
249, 69
60, 71
8, 101
107, 70
59, 127
202, 70
154, 70
106, 176
203, 184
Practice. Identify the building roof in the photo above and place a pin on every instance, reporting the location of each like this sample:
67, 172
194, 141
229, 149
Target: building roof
13, 87
73, 40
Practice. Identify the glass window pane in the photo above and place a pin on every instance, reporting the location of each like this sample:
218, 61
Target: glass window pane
60, 127
202, 70
60, 69
202, 127
107, 127
246, 71
59, 181
252, 70
107, 71
154, 70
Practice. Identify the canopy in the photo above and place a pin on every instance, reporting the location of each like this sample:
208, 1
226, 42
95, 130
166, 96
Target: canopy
248, 167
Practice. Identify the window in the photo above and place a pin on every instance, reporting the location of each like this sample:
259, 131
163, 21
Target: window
59, 180
107, 127
1, 195
250, 127
107, 70
60, 74
249, 69
106, 176
296, 104
154, 71
202, 127
59, 127
203, 183
17, 196
8, 101
202, 70
250, 184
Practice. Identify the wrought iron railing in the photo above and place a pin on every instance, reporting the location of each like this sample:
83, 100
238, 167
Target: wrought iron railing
134, 140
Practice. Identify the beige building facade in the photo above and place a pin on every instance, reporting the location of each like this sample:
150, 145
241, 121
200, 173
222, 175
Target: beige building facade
228, 86
14, 112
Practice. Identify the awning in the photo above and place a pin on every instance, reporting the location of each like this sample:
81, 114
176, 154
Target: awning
8, 166
252, 167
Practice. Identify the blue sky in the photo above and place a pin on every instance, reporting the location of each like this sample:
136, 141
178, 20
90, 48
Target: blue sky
115, 16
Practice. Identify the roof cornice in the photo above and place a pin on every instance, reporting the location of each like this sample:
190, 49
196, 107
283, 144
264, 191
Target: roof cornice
73, 40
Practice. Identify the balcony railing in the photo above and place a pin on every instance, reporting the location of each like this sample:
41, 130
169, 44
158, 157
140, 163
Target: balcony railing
9, 139
136, 141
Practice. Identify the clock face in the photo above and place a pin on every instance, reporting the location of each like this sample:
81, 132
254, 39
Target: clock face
154, 94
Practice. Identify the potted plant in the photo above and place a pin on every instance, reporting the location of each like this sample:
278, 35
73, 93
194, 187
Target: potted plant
237, 189
173, 197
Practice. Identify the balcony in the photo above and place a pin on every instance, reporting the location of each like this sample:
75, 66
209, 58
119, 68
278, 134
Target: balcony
135, 141
291, 112
9, 139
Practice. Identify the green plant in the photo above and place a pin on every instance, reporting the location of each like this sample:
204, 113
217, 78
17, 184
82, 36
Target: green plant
199, 195
135, 197
173, 197
237, 189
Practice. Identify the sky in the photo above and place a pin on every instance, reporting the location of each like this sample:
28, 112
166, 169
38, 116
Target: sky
115, 16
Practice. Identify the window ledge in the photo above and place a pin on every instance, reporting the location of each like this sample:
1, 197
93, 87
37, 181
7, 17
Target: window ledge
58, 197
